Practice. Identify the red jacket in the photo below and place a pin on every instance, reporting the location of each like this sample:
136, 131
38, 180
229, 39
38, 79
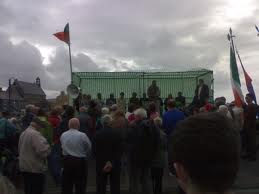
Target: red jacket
54, 122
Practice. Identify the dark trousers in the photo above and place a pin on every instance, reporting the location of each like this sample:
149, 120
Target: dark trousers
157, 179
250, 142
101, 180
54, 163
74, 175
33, 183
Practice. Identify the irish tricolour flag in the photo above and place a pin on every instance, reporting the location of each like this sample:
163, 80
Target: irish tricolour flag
234, 76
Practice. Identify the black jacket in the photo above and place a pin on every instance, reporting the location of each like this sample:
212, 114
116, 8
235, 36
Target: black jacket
143, 141
107, 146
203, 94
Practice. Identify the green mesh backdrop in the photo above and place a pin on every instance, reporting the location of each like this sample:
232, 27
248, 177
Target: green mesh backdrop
128, 82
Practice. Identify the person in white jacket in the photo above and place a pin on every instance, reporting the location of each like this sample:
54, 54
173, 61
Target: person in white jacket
33, 151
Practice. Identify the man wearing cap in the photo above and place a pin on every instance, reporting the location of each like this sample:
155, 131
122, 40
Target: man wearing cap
33, 151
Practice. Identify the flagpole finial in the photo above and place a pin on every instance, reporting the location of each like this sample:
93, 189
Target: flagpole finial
230, 36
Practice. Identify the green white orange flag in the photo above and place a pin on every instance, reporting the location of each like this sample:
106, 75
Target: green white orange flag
235, 81
64, 36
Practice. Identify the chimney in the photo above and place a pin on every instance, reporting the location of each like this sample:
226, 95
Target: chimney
38, 82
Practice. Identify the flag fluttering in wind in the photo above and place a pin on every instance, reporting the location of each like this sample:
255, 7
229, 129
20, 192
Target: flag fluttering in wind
234, 75
64, 36
249, 85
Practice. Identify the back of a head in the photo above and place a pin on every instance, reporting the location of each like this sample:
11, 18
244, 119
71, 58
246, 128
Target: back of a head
140, 113
106, 120
152, 107
158, 122
29, 108
74, 123
131, 107
207, 146
54, 112
171, 104
82, 109
223, 109
69, 112
41, 113
114, 108
105, 111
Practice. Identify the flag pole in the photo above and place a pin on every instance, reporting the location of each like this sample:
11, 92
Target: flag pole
70, 60
239, 59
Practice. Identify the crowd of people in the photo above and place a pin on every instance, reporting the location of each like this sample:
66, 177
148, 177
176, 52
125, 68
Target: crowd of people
200, 144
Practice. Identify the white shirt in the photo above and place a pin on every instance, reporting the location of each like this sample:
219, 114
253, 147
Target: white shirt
199, 91
75, 143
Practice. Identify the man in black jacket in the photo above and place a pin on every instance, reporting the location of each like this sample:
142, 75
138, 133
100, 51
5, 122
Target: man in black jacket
201, 93
143, 141
107, 149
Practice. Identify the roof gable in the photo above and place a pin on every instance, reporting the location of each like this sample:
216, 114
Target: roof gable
30, 88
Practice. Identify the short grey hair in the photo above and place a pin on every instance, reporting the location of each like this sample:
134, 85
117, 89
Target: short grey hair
105, 110
141, 112
106, 120
29, 107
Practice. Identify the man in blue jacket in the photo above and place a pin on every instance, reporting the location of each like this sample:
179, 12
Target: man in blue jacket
171, 117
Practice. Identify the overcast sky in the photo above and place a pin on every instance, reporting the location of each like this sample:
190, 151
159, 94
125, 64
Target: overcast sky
109, 35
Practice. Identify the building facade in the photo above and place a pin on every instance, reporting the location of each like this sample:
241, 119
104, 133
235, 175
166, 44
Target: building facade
20, 93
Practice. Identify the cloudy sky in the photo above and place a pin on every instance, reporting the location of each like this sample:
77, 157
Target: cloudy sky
109, 35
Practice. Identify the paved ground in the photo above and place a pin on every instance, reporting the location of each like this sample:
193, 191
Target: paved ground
247, 182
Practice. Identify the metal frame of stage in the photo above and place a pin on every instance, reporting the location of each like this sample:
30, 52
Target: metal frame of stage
128, 82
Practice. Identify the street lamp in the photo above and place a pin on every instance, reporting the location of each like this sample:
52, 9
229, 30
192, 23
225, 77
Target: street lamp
9, 93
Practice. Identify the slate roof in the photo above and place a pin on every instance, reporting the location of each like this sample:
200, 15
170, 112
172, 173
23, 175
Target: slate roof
30, 88
3, 95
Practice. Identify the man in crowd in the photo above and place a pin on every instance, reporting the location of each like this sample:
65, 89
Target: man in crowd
84, 120
201, 93
171, 117
107, 149
29, 114
8, 132
76, 147
159, 161
99, 100
110, 101
134, 100
122, 102
250, 129
144, 102
143, 141
153, 93
180, 100
204, 150
86, 100
33, 151
169, 97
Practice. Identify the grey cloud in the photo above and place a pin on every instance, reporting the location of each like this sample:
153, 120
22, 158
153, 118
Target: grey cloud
24, 62
154, 34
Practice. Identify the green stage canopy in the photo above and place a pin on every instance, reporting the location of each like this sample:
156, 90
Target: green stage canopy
129, 82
